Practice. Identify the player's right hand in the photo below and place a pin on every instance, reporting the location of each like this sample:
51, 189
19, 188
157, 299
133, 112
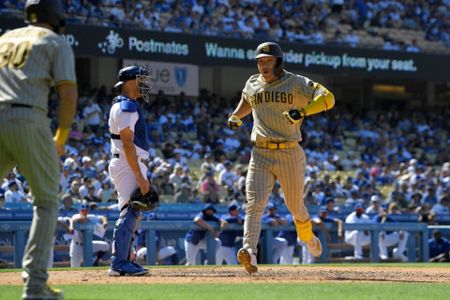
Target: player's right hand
60, 149
143, 184
234, 122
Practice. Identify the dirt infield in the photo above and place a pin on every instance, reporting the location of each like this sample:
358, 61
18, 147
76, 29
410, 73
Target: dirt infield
282, 274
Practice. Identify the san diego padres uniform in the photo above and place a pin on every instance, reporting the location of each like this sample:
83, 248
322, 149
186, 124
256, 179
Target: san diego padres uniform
31, 59
276, 154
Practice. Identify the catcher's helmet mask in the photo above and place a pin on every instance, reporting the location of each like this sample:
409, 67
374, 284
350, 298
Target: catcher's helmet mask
142, 77
45, 11
271, 49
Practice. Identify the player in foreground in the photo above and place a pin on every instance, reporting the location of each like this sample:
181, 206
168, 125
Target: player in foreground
279, 101
31, 59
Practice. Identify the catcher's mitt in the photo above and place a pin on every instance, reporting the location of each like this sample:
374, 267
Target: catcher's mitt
149, 201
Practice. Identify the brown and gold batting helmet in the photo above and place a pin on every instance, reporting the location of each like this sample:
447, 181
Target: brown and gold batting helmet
271, 49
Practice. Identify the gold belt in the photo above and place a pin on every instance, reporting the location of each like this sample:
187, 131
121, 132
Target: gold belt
275, 145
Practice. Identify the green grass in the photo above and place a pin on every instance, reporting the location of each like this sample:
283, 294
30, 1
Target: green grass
291, 291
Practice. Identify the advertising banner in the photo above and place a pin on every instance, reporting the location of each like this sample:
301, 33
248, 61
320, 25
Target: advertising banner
172, 78
206, 50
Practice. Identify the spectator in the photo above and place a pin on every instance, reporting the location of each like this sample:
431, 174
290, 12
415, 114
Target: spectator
272, 218
290, 239
442, 207
92, 114
117, 13
227, 176
413, 47
2, 201
210, 189
355, 237
195, 240
439, 248
351, 39
227, 251
74, 189
91, 197
87, 169
390, 238
67, 205
164, 253
99, 248
375, 205
64, 182
184, 194
207, 166
13, 194
105, 193
176, 177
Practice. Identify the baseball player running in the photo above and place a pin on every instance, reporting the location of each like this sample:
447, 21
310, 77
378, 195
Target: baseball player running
129, 147
31, 59
272, 96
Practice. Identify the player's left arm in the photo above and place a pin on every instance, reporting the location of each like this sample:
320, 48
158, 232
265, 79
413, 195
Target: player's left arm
322, 100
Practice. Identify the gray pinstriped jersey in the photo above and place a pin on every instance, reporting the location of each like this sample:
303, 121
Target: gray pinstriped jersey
269, 101
30, 58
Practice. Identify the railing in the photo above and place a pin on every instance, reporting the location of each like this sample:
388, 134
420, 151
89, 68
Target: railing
20, 228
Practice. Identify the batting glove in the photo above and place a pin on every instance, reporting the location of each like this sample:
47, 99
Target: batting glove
294, 116
234, 122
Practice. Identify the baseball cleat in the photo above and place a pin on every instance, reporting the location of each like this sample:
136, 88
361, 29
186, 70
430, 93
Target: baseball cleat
127, 269
314, 246
248, 260
46, 293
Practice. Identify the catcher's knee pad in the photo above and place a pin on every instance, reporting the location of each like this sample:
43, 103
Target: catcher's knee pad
304, 230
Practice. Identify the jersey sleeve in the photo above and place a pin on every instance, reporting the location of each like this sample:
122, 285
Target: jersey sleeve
307, 86
126, 119
244, 97
246, 91
63, 67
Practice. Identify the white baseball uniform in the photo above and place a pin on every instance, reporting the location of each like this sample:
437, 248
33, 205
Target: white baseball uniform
76, 244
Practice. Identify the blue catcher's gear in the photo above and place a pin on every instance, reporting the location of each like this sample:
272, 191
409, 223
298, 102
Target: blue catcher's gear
141, 75
123, 234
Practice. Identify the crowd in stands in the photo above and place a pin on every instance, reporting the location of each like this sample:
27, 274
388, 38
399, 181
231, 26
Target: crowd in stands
341, 22
394, 161
398, 156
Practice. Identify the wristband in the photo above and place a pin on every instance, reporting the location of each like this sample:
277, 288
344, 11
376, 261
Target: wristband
61, 135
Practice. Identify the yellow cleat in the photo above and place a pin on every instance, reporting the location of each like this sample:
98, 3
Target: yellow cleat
314, 246
47, 293
248, 260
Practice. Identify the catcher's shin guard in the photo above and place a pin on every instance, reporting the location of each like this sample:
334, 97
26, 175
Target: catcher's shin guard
123, 233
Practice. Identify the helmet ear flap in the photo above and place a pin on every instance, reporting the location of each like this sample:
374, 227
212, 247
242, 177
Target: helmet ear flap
279, 68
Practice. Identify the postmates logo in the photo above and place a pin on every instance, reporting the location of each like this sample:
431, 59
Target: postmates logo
112, 42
